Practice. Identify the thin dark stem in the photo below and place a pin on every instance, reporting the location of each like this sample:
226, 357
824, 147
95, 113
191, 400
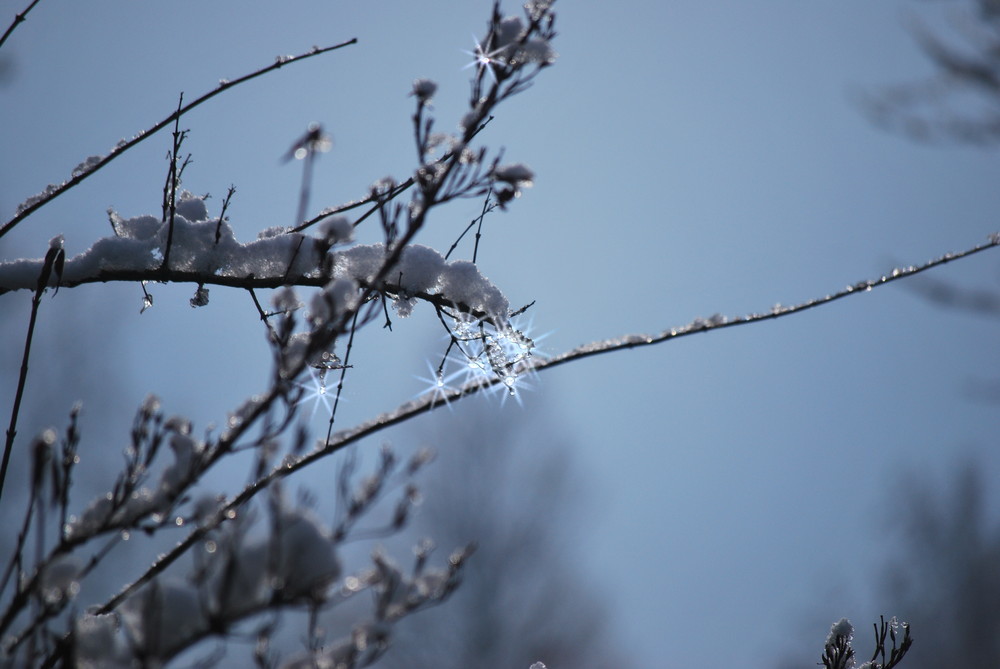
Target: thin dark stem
487, 208
264, 316
343, 373
21, 382
379, 199
307, 170
21, 539
222, 214
701, 325
125, 146
170, 187
18, 20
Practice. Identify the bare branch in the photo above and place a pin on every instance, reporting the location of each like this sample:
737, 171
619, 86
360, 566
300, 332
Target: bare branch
340, 440
55, 191
18, 19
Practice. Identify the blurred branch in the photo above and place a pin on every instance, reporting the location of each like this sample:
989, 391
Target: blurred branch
983, 302
80, 174
961, 101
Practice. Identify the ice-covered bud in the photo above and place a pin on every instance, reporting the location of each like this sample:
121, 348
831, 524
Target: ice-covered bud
470, 120
56, 242
319, 309
200, 297
336, 230
186, 451
538, 665
404, 307
536, 51
424, 90
508, 31
343, 293
511, 179
516, 174
338, 296
178, 424
94, 517
537, 8
285, 299
842, 628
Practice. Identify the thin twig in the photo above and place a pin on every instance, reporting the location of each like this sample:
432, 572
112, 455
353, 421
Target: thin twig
18, 19
125, 146
19, 393
343, 373
702, 325
379, 198
170, 185
53, 260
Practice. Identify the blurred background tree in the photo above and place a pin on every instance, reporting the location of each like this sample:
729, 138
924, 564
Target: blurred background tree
945, 578
511, 486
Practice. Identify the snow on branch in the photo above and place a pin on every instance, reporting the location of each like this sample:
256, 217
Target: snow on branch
205, 251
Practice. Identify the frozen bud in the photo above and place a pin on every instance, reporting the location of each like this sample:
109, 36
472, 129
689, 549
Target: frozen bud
200, 298
509, 31
343, 293
537, 8
285, 299
842, 628
469, 120
424, 90
319, 309
516, 174
537, 51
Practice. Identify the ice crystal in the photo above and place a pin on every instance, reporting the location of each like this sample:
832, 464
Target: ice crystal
316, 391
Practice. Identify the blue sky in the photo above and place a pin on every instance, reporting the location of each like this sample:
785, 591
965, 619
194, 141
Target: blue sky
692, 158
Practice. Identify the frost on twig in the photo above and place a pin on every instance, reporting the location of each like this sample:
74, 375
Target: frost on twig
839, 653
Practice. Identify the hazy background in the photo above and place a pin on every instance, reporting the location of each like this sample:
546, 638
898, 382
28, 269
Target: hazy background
733, 492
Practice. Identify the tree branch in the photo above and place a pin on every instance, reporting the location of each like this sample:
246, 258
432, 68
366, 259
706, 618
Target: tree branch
54, 191
430, 401
18, 20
